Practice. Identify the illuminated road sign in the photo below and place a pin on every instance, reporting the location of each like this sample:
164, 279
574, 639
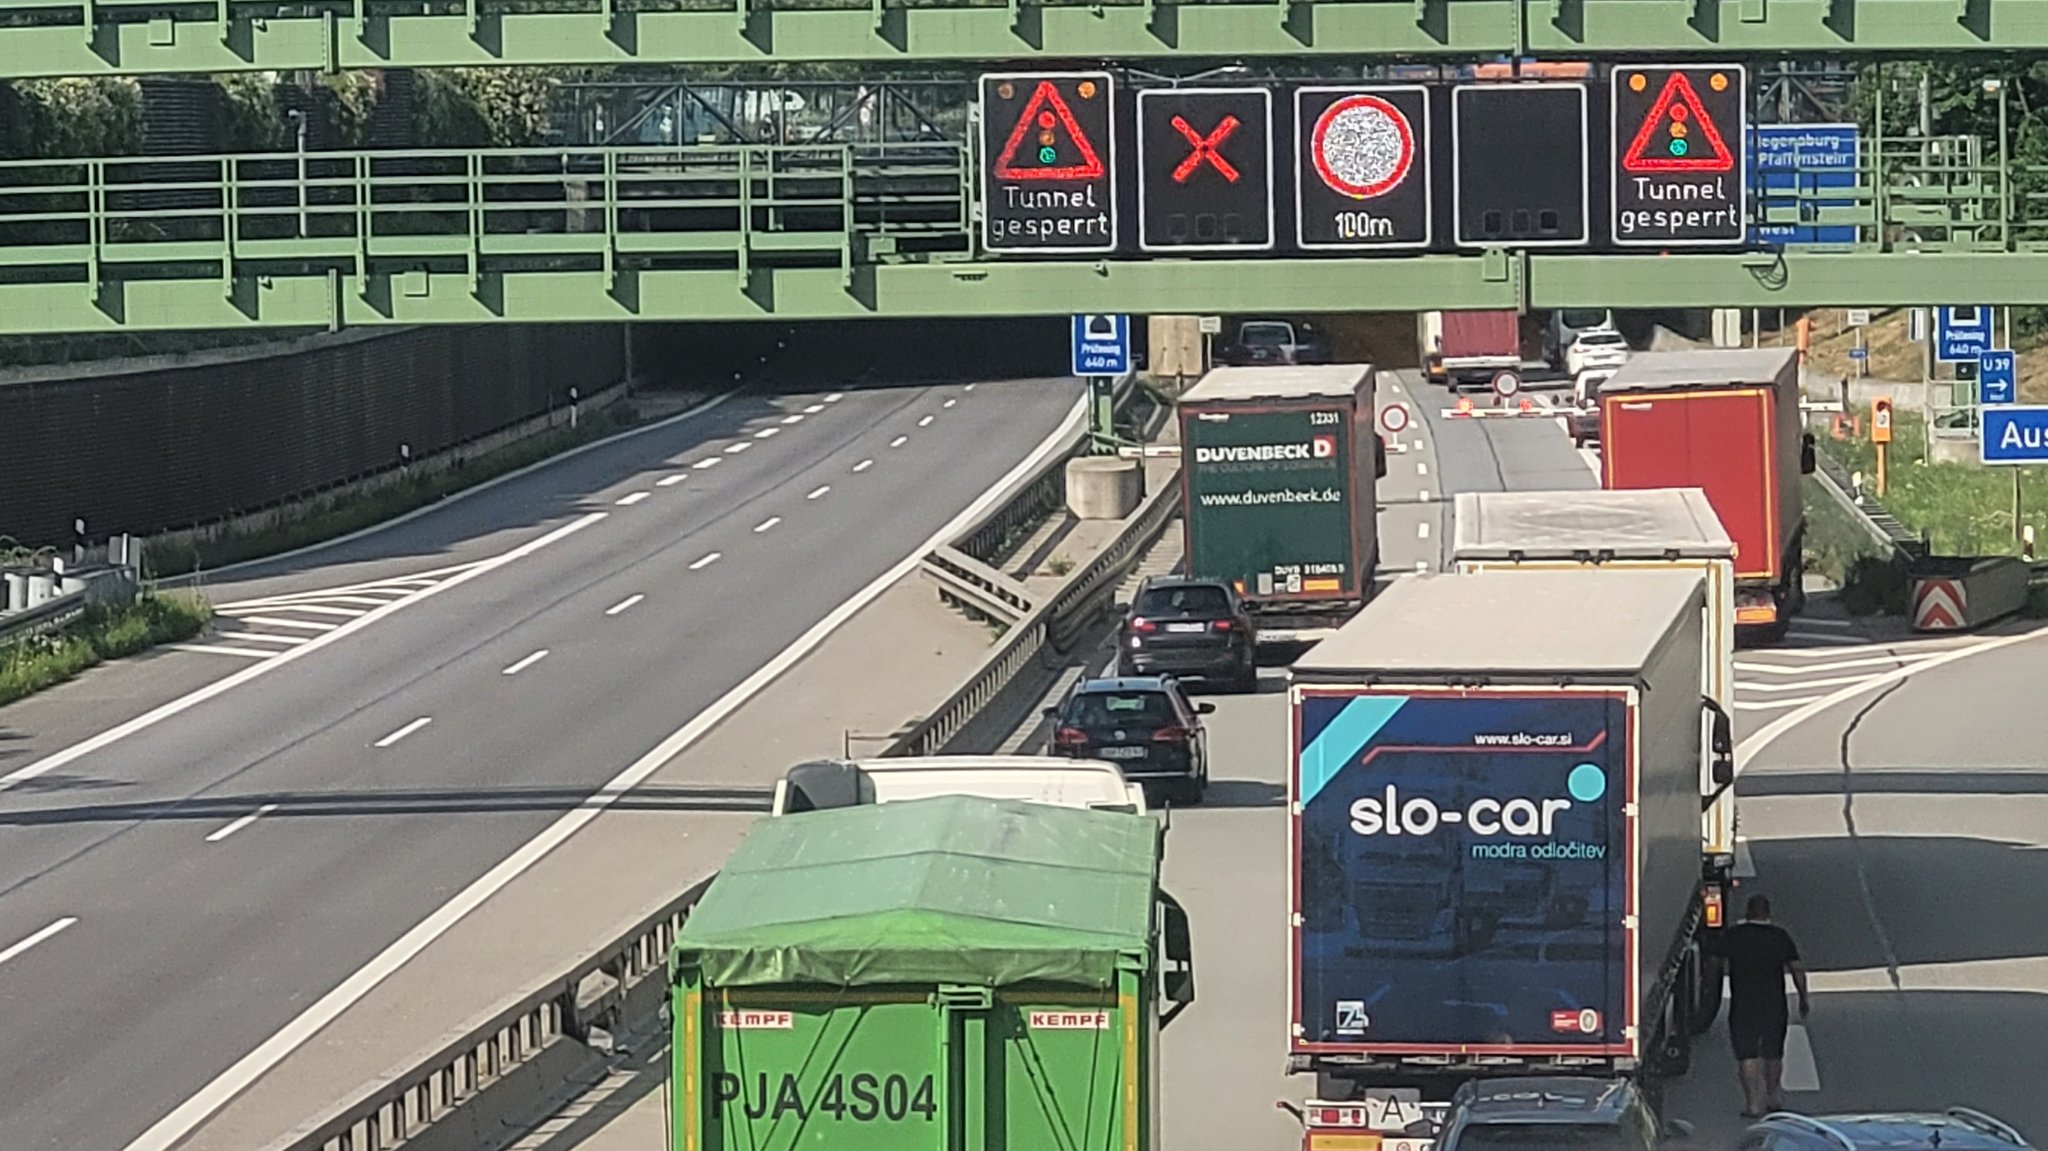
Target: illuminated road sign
1362, 167
1518, 175
1205, 169
1679, 175
1048, 178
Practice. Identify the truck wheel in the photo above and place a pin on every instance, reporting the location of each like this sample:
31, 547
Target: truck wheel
1707, 997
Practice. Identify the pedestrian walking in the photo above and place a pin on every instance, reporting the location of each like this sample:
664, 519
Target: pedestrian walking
1758, 955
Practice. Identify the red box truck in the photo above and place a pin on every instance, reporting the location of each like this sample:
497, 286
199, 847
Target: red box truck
1726, 420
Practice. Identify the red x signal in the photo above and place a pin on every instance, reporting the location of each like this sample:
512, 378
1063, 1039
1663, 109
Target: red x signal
1205, 149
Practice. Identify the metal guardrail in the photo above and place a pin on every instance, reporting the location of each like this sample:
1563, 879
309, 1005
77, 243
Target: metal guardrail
1899, 542
396, 1107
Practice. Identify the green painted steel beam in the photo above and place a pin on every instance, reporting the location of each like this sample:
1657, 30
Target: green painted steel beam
44, 38
1026, 289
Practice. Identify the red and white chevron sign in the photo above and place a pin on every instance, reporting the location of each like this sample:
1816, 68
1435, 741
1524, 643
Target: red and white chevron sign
1937, 605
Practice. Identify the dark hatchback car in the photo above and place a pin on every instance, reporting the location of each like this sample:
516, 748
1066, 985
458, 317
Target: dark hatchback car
1276, 342
1190, 628
1550, 1113
1143, 724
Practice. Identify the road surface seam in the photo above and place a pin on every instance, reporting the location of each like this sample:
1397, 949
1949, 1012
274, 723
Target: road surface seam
1884, 939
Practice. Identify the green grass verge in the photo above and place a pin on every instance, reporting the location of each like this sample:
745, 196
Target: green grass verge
103, 633
348, 512
1965, 508
1838, 549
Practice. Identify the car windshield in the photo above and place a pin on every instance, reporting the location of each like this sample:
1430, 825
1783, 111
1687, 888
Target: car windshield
1542, 1137
1579, 319
1120, 709
1267, 334
1196, 599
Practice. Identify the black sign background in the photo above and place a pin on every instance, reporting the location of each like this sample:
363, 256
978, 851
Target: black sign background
1642, 219
1072, 211
1206, 211
1519, 164
1401, 217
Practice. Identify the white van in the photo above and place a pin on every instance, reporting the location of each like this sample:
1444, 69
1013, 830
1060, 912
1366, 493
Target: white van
818, 785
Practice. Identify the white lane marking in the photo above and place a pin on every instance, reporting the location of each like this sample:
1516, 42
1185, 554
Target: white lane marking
820, 490
706, 562
926, 422
1422, 530
764, 433
402, 732
1421, 468
265, 637
318, 609
1772, 704
1823, 637
736, 449
1840, 665
525, 662
241, 823
671, 481
968, 388
864, 465
1917, 649
764, 525
1798, 684
1418, 445
172, 1129
367, 601
1397, 389
1591, 458
225, 684
1801, 1073
1422, 565
1425, 495
206, 649
793, 418
21, 948
627, 501
624, 604
814, 409
1811, 621
835, 397
949, 403
709, 462
898, 441
274, 621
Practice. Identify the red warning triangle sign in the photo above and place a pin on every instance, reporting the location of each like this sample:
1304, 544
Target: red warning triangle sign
1678, 135
1045, 117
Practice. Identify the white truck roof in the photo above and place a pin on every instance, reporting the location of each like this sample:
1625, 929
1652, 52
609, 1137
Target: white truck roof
1696, 367
1651, 523
1061, 782
1592, 622
1280, 382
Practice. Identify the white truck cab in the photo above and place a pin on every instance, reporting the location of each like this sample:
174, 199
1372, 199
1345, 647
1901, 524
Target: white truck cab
818, 785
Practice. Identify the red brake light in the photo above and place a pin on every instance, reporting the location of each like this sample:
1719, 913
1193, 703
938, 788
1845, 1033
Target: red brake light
1223, 625
1170, 735
1141, 624
1070, 737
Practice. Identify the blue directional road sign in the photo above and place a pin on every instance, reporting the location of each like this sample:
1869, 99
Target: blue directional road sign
1997, 377
1102, 345
1794, 160
1961, 335
2017, 434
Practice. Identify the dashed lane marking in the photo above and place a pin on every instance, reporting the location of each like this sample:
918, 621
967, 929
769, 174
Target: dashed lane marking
899, 441
402, 732
926, 422
706, 562
631, 498
820, 490
241, 823
671, 481
736, 449
793, 418
624, 604
766, 433
19, 949
864, 465
707, 462
525, 662
764, 525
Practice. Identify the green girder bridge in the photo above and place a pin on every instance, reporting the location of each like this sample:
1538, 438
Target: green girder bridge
849, 231
101, 37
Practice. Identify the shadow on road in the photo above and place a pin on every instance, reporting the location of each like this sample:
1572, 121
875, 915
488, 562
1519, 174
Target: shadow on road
454, 801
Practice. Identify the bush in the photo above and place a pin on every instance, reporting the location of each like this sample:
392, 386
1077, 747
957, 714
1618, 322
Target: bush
104, 632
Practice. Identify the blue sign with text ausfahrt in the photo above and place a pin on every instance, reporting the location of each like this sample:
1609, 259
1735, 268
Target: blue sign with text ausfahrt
1961, 334
2016, 435
1788, 164
1102, 345
1997, 377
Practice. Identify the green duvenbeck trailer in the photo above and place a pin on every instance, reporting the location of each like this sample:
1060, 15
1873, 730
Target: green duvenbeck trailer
938, 973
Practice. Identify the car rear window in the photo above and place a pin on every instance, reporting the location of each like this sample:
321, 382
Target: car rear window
1601, 338
1122, 708
1196, 599
1265, 334
1543, 1137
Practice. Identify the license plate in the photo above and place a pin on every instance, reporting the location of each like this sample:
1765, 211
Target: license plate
1123, 753
1183, 628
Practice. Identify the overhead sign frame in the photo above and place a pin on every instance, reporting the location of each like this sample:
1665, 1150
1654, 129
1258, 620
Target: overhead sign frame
1678, 98
1312, 163
1204, 156
1585, 205
1096, 161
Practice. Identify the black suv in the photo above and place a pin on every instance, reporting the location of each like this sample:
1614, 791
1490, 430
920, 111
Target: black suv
1552, 1112
1189, 627
1143, 724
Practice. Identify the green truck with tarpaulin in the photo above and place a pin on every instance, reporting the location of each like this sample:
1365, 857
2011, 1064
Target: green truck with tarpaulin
1280, 470
934, 973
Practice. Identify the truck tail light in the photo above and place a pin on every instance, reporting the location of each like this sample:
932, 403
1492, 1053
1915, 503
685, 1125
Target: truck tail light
1070, 737
1143, 626
1332, 1115
1715, 911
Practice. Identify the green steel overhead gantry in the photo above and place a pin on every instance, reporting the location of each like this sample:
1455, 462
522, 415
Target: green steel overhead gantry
845, 231
41, 38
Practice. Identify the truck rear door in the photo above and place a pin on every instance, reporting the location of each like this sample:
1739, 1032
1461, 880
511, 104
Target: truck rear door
1721, 441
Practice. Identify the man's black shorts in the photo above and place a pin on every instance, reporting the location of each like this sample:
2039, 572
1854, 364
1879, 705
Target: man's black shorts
1758, 1036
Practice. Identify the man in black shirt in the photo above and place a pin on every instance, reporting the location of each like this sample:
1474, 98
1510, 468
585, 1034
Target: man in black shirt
1759, 954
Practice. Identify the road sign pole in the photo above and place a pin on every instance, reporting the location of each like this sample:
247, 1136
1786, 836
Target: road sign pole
1102, 415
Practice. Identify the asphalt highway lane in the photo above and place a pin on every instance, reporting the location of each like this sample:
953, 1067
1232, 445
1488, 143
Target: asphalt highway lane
228, 865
